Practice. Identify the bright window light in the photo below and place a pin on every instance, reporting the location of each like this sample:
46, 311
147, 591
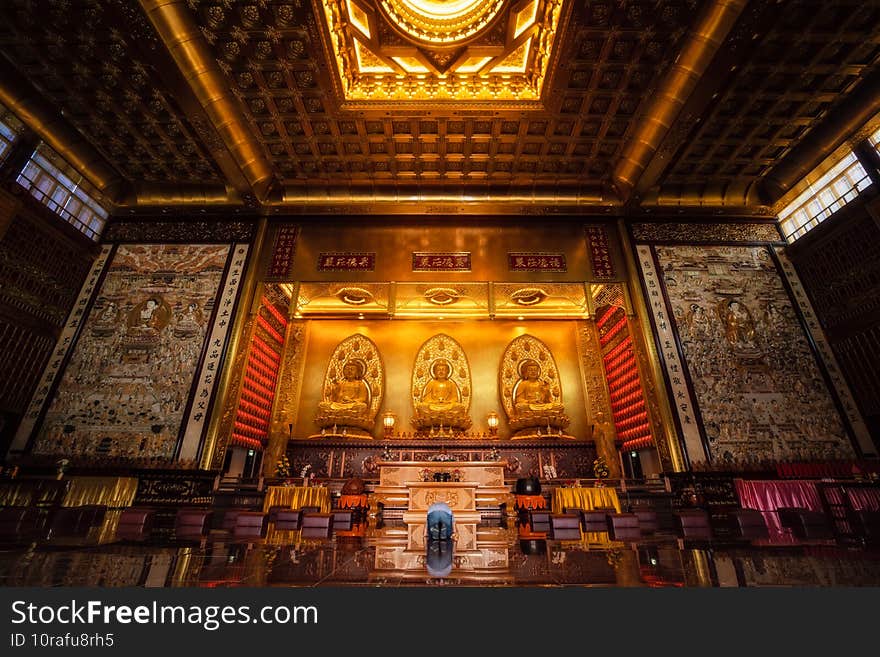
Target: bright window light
60, 188
840, 185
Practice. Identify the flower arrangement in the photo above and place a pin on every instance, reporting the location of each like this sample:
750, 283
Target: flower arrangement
305, 470
282, 467
600, 470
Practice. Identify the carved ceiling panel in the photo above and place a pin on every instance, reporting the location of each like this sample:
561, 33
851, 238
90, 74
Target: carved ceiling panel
798, 60
300, 95
610, 57
92, 60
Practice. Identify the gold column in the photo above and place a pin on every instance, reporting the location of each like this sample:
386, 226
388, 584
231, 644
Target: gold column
598, 398
700, 47
697, 570
288, 388
626, 568
675, 459
219, 429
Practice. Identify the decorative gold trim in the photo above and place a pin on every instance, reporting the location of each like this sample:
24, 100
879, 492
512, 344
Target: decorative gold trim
236, 343
598, 398
667, 102
675, 461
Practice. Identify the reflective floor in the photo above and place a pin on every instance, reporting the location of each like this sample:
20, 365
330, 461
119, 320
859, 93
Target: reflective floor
386, 554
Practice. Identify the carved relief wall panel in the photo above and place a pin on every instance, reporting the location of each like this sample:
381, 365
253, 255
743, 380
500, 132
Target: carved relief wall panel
126, 388
840, 269
759, 390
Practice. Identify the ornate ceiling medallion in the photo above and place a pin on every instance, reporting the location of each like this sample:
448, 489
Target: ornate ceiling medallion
441, 22
476, 51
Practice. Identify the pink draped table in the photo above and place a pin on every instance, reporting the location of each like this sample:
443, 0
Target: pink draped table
769, 495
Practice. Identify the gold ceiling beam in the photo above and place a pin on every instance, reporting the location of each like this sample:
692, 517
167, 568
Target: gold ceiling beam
144, 194
586, 195
733, 194
709, 33
41, 116
176, 27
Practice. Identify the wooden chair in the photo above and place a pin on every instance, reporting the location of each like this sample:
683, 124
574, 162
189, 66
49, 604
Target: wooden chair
135, 524
249, 525
624, 527
748, 524
693, 524
805, 523
190, 524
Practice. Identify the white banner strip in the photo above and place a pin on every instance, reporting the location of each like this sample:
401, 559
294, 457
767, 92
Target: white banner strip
856, 421
210, 370
682, 401
62, 348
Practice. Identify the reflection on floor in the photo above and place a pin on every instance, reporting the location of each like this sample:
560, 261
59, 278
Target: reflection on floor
380, 555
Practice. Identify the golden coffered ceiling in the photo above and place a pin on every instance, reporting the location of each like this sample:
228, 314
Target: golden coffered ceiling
413, 53
307, 104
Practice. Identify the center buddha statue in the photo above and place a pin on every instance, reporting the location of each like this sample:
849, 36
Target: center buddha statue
440, 402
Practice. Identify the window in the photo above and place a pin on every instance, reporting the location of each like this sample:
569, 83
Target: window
60, 188
875, 140
822, 198
10, 128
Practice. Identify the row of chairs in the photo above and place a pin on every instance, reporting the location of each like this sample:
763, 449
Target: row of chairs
693, 524
29, 523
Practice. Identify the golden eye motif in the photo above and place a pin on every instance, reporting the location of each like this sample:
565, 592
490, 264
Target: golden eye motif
442, 296
354, 296
528, 296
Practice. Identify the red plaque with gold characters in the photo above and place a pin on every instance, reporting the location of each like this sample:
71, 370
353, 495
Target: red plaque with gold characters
451, 261
554, 262
347, 261
600, 252
283, 251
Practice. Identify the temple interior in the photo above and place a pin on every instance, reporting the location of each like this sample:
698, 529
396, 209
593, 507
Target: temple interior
418, 293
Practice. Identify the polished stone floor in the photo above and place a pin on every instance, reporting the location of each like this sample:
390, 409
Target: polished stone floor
501, 554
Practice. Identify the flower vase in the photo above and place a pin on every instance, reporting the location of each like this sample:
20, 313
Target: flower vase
305, 482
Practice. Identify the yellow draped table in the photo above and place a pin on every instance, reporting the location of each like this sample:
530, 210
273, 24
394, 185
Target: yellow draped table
585, 498
296, 497
112, 492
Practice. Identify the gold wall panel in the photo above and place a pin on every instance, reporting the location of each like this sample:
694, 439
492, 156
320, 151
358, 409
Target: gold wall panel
441, 299
487, 240
343, 298
398, 341
533, 300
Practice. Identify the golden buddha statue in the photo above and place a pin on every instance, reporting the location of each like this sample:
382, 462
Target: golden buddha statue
349, 394
352, 389
531, 393
440, 403
440, 393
